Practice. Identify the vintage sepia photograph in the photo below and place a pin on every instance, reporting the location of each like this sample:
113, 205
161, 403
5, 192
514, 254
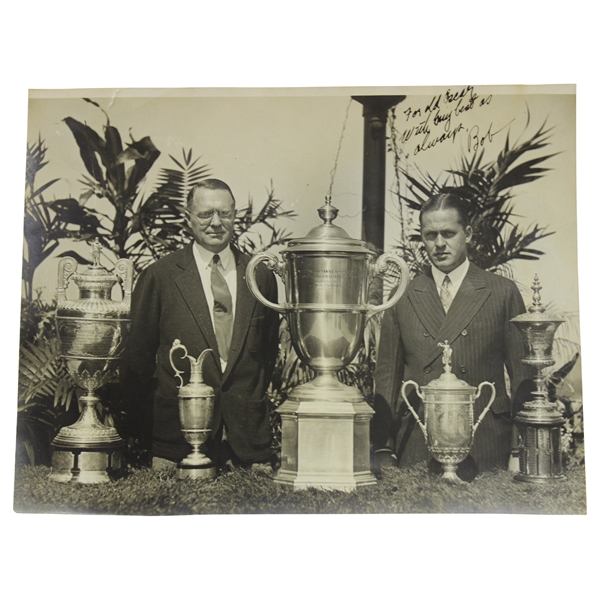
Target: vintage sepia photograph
326, 300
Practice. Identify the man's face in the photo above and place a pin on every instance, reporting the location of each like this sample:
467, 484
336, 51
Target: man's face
211, 216
445, 239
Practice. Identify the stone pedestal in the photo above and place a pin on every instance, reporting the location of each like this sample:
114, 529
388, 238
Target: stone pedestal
325, 444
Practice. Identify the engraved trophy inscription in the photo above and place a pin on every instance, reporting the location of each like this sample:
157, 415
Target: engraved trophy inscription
327, 276
91, 332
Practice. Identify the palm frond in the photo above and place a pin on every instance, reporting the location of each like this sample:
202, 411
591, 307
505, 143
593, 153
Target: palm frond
43, 374
487, 189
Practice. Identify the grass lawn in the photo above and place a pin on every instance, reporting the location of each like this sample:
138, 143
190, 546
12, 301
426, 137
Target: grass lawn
412, 490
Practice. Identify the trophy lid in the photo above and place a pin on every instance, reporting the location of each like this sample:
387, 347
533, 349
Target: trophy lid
327, 236
536, 312
448, 381
96, 276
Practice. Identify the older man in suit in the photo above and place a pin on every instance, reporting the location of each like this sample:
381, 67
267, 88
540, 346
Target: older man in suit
199, 295
471, 309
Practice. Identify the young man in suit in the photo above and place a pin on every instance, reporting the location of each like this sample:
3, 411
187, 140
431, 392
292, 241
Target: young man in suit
199, 295
471, 309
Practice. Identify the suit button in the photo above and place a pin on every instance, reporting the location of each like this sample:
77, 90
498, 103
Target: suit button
464, 332
426, 334
462, 369
427, 370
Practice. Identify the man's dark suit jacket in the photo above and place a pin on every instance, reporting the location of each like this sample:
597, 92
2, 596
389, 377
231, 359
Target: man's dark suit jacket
169, 303
483, 340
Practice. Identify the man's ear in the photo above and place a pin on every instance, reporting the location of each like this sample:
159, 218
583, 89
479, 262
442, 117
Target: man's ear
468, 234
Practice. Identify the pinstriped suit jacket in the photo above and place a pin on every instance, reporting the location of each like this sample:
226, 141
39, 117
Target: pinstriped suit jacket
483, 340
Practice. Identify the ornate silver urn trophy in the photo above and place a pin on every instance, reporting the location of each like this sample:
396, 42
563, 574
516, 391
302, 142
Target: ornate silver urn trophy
539, 422
449, 425
325, 424
196, 406
91, 332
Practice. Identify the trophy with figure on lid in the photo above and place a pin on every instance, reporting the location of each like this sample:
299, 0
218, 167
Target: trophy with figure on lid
92, 331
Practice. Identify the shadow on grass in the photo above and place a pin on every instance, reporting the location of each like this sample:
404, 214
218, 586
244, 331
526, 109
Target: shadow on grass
411, 490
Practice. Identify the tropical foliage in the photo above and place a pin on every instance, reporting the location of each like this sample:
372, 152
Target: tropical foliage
114, 208
488, 189
43, 227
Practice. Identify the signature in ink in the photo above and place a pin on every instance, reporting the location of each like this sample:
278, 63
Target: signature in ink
476, 140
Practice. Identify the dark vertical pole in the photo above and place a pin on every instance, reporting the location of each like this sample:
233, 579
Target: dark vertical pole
375, 158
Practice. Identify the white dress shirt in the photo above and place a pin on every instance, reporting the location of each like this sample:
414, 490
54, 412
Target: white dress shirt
456, 277
227, 267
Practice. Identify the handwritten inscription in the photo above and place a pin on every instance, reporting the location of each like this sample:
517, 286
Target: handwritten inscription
441, 120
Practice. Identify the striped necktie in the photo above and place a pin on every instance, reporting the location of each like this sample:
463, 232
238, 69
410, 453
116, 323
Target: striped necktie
222, 310
445, 294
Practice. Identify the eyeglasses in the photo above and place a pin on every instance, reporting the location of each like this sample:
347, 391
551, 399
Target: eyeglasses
206, 217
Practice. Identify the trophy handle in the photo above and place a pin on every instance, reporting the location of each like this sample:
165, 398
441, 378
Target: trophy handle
124, 270
277, 266
483, 413
177, 345
380, 267
67, 267
405, 398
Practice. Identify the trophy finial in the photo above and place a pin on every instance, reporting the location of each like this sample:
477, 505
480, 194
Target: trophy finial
447, 351
96, 251
536, 307
328, 212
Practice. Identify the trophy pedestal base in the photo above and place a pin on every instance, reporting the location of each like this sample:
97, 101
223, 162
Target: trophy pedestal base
85, 465
325, 444
450, 474
206, 472
528, 478
539, 440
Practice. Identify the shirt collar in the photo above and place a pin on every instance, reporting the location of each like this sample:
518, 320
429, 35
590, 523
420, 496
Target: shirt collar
206, 256
456, 276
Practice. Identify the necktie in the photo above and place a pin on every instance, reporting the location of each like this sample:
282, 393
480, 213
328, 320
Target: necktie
222, 310
445, 294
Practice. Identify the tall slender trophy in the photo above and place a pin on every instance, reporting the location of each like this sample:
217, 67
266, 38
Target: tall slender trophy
196, 406
91, 333
325, 424
449, 425
539, 422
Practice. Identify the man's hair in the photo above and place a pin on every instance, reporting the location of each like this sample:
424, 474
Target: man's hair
208, 184
446, 201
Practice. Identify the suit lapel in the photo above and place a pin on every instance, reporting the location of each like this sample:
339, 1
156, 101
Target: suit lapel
190, 285
244, 307
471, 295
427, 304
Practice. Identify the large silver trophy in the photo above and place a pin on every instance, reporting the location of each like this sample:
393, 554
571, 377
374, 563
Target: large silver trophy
539, 422
91, 332
196, 406
449, 425
325, 423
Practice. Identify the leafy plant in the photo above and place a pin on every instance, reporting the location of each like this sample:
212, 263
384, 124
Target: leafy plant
44, 224
46, 394
115, 173
487, 189
131, 224
145, 227
160, 218
248, 224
